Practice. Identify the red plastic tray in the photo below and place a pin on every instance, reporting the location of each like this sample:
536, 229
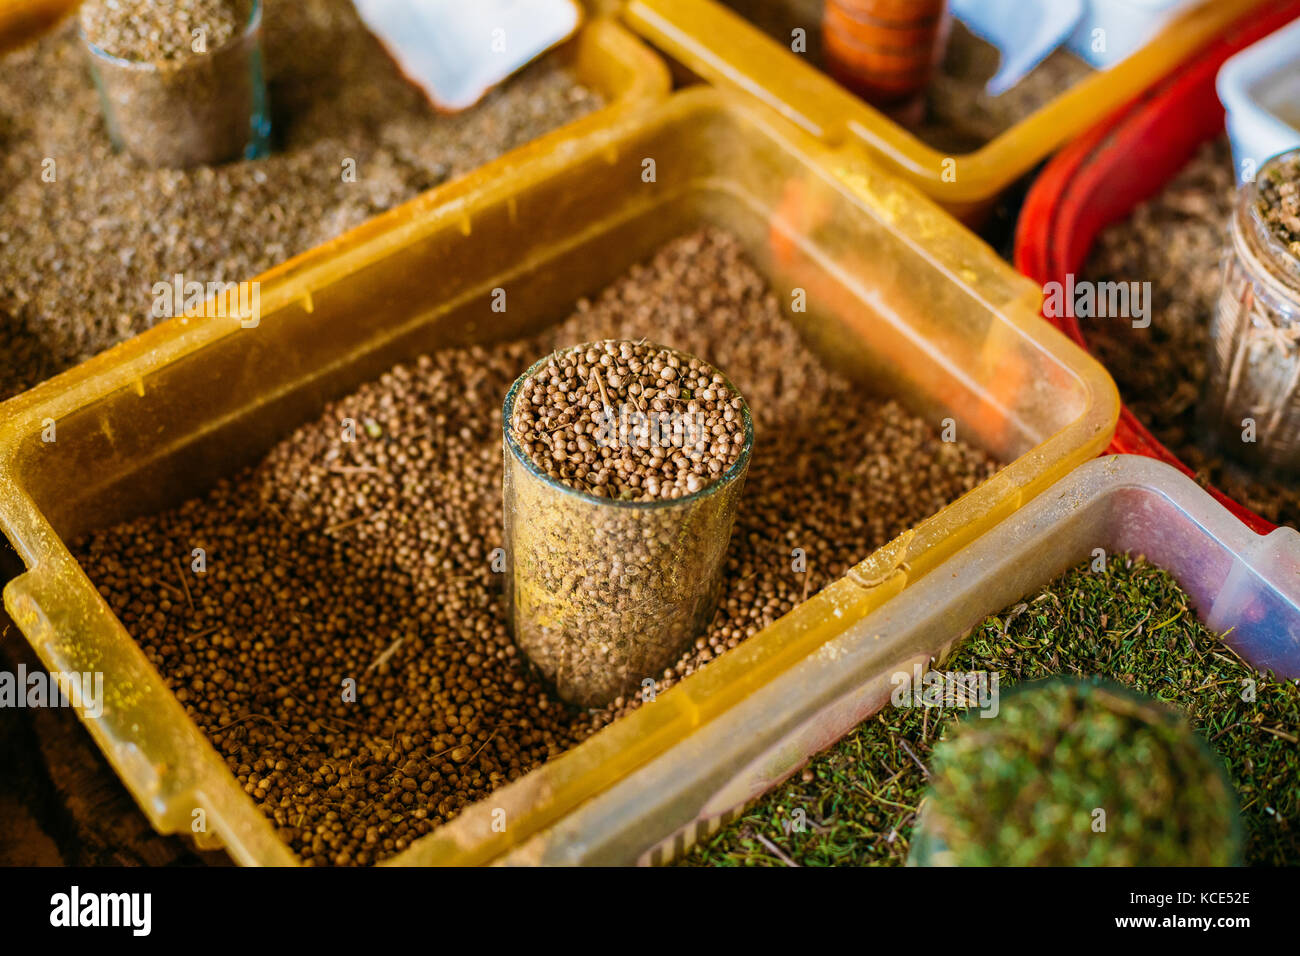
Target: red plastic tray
1099, 179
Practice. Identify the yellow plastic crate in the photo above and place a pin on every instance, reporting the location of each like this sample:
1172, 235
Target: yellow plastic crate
899, 295
723, 48
604, 56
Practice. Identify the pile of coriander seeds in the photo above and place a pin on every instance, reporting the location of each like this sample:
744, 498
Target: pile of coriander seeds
149, 32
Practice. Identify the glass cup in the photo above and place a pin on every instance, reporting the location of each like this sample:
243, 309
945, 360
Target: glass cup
605, 594
201, 109
1252, 403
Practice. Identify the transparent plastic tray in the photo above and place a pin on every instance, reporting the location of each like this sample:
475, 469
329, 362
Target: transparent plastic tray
900, 296
1237, 580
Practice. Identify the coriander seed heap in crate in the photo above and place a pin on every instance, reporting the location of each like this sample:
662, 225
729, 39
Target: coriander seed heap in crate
624, 464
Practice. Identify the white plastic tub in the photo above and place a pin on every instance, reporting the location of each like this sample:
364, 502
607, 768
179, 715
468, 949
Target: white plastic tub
1128, 24
1260, 89
1238, 581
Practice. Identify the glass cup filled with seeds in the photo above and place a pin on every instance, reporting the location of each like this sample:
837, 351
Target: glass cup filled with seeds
1253, 400
181, 82
624, 465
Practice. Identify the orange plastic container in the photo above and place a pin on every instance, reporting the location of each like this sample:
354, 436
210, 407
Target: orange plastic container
24, 20
899, 296
723, 48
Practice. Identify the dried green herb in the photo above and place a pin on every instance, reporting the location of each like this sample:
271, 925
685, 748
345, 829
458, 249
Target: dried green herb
1132, 625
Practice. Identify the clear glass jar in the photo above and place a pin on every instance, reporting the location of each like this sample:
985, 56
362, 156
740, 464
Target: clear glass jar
1252, 402
605, 594
202, 109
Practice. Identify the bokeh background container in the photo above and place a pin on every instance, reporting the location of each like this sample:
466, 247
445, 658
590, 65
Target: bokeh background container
1102, 177
1131, 808
1260, 89
885, 50
603, 56
1236, 580
899, 296
604, 594
195, 110
1254, 370
723, 48
1127, 26
24, 20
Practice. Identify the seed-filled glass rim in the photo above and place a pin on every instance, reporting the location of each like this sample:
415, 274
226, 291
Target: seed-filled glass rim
1285, 261
736, 469
148, 66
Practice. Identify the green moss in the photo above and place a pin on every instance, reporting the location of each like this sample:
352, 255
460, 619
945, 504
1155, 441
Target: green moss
856, 802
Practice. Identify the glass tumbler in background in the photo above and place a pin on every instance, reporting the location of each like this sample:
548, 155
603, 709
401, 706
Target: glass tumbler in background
605, 594
200, 110
1252, 403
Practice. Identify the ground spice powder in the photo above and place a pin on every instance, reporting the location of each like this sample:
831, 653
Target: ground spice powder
371, 560
86, 232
